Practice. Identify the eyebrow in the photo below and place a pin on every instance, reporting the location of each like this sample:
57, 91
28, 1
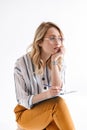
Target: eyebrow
54, 35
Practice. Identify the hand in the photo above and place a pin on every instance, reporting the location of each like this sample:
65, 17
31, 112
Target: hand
60, 53
53, 91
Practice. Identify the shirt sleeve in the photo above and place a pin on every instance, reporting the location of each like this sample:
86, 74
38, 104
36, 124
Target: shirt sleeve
23, 94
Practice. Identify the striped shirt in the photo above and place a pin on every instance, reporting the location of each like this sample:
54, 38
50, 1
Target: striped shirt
28, 83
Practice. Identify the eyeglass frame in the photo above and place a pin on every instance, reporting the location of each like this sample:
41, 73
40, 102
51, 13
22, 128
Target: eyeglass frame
54, 39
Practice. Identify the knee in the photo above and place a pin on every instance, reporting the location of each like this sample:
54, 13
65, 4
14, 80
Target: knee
60, 101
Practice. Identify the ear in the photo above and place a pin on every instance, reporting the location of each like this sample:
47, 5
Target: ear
40, 44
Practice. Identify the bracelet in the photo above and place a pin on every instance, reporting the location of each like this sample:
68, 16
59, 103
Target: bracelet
54, 62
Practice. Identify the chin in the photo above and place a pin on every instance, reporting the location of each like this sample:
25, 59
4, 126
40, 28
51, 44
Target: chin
54, 52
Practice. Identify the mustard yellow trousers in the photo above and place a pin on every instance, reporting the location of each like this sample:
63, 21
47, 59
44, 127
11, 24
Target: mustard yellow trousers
51, 114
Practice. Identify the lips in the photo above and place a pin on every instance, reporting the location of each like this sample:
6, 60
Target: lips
56, 48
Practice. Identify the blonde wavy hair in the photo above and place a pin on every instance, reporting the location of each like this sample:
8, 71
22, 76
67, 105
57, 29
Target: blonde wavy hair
36, 50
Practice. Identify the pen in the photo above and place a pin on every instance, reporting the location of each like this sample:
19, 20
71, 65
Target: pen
46, 85
62, 93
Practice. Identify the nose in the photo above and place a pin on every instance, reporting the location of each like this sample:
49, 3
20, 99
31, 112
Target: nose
57, 43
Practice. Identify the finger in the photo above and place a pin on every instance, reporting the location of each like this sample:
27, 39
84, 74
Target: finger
56, 88
55, 91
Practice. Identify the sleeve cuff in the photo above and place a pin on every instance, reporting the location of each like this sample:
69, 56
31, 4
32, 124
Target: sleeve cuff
30, 102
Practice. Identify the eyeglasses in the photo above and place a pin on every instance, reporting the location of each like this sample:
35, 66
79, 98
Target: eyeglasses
54, 39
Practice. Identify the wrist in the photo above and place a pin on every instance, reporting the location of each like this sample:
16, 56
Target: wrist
54, 62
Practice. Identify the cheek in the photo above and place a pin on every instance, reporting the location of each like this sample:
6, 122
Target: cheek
47, 47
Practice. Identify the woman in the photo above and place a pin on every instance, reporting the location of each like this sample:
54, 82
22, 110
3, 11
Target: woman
39, 76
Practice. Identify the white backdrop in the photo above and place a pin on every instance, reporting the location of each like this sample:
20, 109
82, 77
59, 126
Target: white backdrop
18, 22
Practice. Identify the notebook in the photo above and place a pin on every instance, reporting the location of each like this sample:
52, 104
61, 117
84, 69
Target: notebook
60, 94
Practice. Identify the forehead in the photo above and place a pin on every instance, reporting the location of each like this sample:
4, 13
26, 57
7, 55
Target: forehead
52, 32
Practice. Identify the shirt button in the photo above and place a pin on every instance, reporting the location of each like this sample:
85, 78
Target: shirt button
45, 87
43, 78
